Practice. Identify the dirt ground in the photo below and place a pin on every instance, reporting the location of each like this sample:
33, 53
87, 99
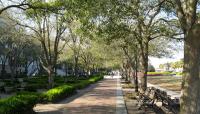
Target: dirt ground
169, 82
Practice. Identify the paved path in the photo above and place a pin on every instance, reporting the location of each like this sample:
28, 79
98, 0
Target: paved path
100, 98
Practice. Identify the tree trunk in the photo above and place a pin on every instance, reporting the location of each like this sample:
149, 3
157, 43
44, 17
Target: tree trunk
190, 98
26, 69
3, 70
76, 65
129, 73
50, 78
136, 82
88, 71
144, 68
136, 75
123, 71
126, 73
13, 72
66, 69
55, 70
12, 64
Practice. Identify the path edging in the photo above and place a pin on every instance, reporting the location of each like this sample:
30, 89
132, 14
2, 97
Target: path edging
120, 104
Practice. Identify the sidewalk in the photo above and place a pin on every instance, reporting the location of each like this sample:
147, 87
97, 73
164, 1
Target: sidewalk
100, 98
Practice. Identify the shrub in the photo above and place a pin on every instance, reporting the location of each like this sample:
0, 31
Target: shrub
84, 83
30, 88
71, 79
59, 79
81, 84
23, 102
179, 73
158, 73
40, 80
58, 93
62, 91
34, 87
19, 104
95, 79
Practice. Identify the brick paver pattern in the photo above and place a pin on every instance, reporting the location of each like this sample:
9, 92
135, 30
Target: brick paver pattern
98, 100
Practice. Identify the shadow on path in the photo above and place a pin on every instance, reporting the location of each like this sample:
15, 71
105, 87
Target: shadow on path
99, 98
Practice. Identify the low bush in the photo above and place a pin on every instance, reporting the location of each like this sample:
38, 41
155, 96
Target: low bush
23, 102
19, 104
179, 73
84, 83
30, 88
58, 93
33, 87
158, 73
95, 78
38, 80
81, 84
71, 79
58, 79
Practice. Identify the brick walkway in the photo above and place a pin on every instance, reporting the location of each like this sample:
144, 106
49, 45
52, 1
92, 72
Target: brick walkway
99, 98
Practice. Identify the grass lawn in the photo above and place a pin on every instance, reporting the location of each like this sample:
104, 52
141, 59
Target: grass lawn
168, 82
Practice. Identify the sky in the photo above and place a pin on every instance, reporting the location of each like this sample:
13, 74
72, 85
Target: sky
157, 61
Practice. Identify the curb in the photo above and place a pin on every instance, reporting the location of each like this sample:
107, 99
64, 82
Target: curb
120, 104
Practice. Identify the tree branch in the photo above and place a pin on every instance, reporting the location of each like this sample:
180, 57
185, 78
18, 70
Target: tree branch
181, 14
159, 5
20, 6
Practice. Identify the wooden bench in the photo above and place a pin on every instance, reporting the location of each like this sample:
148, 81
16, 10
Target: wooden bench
152, 96
171, 104
147, 98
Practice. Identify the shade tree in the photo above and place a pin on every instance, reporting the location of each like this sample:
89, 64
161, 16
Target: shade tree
49, 29
140, 18
187, 12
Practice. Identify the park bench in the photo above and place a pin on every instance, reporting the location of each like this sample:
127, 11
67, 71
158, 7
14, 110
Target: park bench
173, 104
152, 96
167, 102
146, 98
161, 96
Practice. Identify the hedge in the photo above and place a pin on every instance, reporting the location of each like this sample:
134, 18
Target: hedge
158, 73
95, 79
19, 104
63, 91
24, 102
84, 83
58, 93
